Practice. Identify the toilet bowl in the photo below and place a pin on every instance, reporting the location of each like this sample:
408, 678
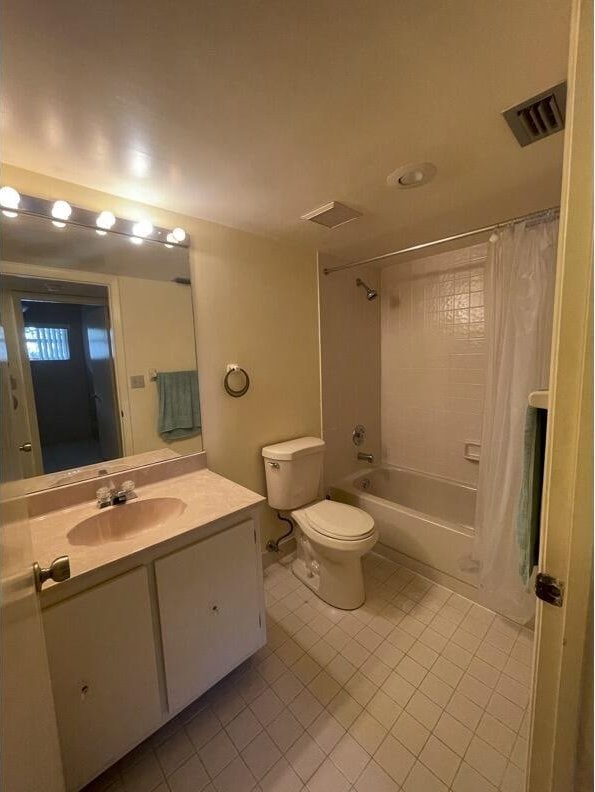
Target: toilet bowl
331, 540
331, 537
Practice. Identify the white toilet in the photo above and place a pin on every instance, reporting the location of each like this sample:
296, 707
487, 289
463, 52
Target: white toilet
331, 537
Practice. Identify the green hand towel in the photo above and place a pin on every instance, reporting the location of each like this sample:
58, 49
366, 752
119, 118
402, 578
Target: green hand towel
179, 407
529, 508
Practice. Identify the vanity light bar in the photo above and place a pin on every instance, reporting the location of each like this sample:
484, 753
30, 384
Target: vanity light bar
61, 213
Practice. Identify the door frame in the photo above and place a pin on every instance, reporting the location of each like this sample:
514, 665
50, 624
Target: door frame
18, 296
116, 328
567, 510
22, 371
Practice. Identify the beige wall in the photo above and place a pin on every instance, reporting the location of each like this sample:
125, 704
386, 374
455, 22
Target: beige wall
158, 332
433, 362
350, 361
255, 303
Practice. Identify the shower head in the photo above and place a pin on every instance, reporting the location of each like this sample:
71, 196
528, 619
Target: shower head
371, 294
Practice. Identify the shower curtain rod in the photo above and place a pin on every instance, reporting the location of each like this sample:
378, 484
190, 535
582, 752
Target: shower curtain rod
462, 235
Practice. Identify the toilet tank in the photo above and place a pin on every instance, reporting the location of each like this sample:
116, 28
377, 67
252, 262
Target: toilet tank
293, 471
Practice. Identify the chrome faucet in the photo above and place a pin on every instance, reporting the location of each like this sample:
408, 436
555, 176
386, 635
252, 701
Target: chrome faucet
365, 457
113, 496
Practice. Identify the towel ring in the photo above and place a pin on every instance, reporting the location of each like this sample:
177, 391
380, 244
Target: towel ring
241, 391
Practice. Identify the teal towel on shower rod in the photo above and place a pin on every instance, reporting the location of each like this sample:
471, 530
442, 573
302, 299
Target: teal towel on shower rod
529, 508
179, 407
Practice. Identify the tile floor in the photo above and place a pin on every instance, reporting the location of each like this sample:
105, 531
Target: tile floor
420, 690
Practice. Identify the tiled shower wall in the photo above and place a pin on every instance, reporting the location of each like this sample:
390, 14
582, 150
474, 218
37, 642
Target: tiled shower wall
433, 362
350, 367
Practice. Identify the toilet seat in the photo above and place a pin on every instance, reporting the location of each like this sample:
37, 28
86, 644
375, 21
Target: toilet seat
339, 521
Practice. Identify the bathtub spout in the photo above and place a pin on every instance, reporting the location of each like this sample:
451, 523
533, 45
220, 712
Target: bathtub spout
365, 457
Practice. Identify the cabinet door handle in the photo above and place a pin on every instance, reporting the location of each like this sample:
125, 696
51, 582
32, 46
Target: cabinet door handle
58, 571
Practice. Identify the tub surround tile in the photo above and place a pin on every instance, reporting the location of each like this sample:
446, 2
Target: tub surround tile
433, 361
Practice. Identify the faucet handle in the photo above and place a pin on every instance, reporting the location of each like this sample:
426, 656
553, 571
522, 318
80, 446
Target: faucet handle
104, 496
128, 486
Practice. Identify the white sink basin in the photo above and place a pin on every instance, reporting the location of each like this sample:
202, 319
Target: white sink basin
116, 523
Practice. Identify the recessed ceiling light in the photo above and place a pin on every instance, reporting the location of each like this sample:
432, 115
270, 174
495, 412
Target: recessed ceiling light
414, 174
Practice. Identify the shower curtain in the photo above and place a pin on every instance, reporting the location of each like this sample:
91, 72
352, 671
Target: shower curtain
520, 278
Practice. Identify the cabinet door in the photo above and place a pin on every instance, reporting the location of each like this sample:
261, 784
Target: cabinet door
210, 599
104, 673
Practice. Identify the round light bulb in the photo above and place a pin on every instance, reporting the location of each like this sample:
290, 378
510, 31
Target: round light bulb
105, 220
100, 232
9, 198
179, 234
58, 224
143, 228
171, 238
136, 240
167, 245
61, 210
8, 213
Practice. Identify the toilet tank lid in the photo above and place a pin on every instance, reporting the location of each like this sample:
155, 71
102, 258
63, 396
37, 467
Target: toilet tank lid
292, 449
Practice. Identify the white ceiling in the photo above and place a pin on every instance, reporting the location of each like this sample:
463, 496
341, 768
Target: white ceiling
252, 113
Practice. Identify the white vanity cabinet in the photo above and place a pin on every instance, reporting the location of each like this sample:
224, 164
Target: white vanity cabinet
129, 653
210, 606
103, 667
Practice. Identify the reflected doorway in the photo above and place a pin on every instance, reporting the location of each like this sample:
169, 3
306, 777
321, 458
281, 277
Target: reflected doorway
64, 382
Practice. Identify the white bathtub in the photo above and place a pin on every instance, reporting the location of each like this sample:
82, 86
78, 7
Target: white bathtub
426, 519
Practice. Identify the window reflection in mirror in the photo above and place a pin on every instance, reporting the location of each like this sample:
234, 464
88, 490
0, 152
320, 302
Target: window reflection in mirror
98, 343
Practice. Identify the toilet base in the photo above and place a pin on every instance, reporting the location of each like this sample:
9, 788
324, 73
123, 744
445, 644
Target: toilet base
339, 585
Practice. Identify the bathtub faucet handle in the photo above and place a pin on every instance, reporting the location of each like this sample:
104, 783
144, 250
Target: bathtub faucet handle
358, 435
365, 457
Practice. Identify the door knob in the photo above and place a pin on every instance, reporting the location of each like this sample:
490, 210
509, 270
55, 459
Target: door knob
26, 447
57, 571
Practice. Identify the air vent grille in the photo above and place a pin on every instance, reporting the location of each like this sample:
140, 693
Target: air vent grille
332, 214
538, 117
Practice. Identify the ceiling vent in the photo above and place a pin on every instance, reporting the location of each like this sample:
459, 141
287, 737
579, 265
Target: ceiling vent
539, 117
332, 214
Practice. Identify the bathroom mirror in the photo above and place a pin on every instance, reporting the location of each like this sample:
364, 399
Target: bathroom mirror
98, 353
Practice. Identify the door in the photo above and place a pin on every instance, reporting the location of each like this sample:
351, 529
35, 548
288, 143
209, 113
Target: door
30, 756
101, 647
567, 531
210, 600
100, 363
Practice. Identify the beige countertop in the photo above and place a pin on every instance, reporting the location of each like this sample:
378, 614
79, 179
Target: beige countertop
212, 503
